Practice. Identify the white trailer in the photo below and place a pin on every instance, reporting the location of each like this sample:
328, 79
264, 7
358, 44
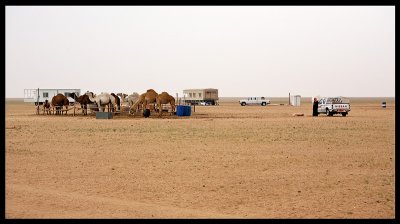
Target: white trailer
201, 96
38, 96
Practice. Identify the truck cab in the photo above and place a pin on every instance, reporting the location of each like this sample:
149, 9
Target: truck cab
254, 101
334, 105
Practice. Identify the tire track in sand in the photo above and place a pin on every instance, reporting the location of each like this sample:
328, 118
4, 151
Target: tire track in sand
23, 201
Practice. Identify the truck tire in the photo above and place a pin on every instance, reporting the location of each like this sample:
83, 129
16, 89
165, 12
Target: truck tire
344, 114
328, 113
243, 104
263, 104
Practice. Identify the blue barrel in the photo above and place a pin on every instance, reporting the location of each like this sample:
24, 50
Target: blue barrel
180, 110
188, 110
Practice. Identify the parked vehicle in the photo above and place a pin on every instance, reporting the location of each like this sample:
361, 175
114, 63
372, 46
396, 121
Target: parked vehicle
255, 101
205, 103
334, 105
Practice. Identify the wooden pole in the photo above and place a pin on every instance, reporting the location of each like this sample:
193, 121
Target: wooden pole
38, 96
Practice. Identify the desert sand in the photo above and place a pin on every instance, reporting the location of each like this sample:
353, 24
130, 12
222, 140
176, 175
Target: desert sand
224, 161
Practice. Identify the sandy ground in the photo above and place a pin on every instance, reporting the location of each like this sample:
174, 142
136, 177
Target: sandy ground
225, 161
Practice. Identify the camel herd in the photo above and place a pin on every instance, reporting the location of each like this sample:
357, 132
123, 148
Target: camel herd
113, 101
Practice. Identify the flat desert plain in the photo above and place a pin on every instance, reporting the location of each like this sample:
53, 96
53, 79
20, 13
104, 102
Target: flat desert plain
224, 161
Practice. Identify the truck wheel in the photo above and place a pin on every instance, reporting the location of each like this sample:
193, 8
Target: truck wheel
344, 114
263, 104
243, 104
328, 113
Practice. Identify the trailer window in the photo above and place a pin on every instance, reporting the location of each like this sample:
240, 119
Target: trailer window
45, 95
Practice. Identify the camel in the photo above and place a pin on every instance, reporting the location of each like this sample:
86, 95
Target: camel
123, 97
102, 100
164, 98
83, 100
58, 101
46, 107
132, 99
129, 99
138, 103
117, 101
149, 97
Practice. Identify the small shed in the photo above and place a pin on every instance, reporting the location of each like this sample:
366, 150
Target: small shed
40, 95
295, 100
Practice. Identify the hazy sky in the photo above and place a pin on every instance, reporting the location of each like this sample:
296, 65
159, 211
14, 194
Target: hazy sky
240, 50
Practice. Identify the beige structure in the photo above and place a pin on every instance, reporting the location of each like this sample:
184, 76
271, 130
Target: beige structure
196, 96
295, 100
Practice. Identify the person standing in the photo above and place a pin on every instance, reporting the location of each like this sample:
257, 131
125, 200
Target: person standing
315, 107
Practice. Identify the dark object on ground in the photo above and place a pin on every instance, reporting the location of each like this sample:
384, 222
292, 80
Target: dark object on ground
146, 113
315, 107
104, 115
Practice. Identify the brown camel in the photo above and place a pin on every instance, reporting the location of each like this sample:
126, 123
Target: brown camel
147, 98
165, 98
117, 101
83, 100
58, 101
46, 107
150, 98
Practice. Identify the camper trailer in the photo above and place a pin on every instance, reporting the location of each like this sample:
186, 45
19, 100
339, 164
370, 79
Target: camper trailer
201, 96
39, 96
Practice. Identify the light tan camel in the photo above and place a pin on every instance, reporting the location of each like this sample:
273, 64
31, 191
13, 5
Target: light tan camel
139, 102
123, 97
165, 98
132, 98
102, 100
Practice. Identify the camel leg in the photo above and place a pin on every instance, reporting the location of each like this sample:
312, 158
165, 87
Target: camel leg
159, 109
144, 106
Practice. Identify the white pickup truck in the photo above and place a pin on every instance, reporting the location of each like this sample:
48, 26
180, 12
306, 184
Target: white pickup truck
334, 105
254, 101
